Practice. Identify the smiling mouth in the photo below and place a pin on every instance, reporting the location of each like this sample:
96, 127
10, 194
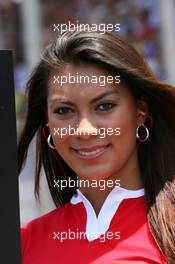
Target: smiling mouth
90, 153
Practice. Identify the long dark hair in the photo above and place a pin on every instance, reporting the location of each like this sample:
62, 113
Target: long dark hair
156, 156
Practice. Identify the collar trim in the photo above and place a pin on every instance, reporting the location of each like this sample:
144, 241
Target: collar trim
98, 225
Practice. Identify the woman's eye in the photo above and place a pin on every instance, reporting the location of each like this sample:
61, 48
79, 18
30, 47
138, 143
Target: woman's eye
106, 106
63, 110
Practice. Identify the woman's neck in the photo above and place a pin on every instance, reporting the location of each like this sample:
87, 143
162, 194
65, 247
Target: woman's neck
129, 179
97, 196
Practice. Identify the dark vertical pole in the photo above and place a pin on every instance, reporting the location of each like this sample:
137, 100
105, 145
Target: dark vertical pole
9, 195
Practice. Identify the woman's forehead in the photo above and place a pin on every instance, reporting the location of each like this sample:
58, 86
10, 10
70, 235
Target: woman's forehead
78, 70
83, 80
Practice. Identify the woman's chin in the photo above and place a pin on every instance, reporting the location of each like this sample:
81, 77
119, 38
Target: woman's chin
93, 176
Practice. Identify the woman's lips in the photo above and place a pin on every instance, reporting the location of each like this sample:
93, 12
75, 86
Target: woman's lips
91, 153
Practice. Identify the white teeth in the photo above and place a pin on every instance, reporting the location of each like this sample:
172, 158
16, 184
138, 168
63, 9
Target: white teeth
90, 153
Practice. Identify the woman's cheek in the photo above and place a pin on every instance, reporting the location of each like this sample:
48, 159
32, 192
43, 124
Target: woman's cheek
60, 138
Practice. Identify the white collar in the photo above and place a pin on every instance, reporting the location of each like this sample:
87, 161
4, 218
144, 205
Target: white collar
97, 225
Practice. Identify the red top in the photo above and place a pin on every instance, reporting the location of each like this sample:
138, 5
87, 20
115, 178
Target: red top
74, 234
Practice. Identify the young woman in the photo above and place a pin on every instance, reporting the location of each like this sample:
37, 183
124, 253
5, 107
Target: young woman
115, 191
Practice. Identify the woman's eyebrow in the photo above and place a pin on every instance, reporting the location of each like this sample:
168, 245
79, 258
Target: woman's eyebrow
103, 95
67, 102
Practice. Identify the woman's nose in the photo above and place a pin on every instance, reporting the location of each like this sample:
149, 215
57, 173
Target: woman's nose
86, 129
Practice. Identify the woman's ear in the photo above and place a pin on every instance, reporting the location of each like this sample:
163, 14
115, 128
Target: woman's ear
142, 110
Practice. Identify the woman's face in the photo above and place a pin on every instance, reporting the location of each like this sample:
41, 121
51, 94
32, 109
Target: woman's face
92, 108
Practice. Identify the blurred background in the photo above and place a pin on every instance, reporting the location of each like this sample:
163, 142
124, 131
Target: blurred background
26, 27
